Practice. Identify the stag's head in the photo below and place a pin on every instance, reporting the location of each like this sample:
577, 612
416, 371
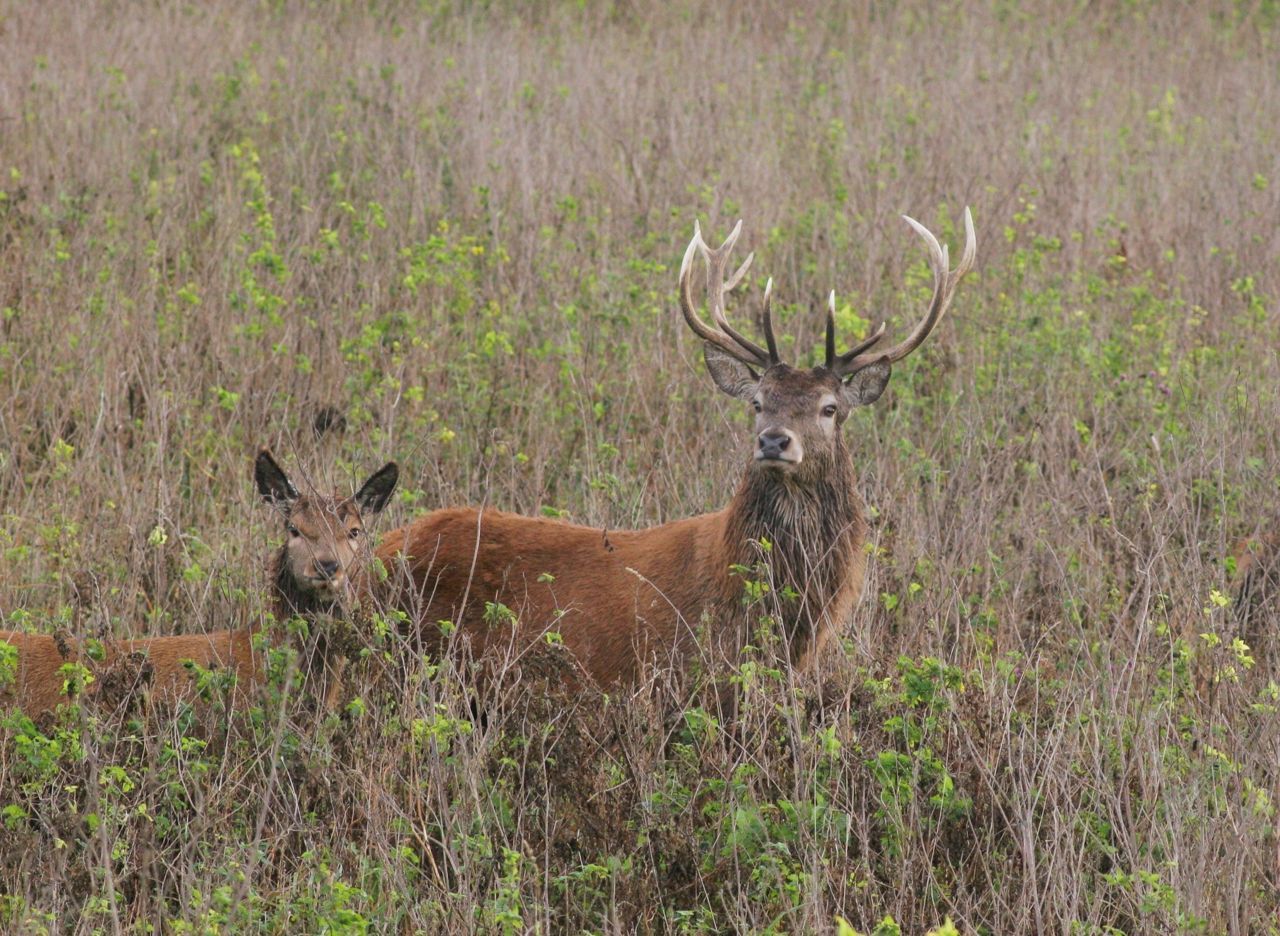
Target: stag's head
325, 542
799, 412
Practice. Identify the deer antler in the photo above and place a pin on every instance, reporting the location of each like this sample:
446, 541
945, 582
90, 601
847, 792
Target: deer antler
724, 336
944, 286
834, 361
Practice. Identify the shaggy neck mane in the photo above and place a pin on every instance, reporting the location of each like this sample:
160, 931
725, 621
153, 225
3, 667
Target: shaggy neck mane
815, 530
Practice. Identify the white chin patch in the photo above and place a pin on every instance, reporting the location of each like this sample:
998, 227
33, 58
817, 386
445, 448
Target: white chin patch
331, 588
780, 463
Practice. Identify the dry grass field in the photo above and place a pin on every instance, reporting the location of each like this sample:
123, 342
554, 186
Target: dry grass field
449, 234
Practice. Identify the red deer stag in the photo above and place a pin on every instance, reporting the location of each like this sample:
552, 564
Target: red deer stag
622, 598
316, 571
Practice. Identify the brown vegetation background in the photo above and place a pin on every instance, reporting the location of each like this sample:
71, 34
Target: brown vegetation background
458, 226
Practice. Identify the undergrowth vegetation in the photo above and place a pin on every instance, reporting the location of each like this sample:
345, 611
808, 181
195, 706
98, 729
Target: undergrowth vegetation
449, 234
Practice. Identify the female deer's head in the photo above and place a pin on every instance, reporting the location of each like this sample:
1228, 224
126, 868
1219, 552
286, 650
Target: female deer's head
324, 534
799, 412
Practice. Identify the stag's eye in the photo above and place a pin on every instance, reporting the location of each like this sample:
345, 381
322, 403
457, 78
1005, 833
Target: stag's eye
354, 532
292, 530
756, 404
829, 410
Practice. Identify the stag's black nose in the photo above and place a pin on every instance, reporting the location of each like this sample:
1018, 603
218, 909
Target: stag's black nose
773, 444
327, 568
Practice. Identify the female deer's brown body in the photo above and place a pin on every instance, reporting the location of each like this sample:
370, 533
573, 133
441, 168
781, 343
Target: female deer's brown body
620, 599
38, 683
310, 575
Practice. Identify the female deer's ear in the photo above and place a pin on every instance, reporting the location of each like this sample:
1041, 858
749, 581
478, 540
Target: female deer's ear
866, 385
273, 484
374, 493
731, 375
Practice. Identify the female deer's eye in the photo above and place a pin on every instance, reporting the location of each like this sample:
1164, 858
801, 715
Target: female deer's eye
354, 532
293, 530
756, 404
829, 410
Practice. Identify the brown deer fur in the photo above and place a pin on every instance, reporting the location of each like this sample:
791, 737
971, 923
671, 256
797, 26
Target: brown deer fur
311, 575
38, 684
622, 598
626, 597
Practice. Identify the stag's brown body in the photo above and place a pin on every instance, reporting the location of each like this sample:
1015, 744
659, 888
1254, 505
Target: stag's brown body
311, 575
620, 599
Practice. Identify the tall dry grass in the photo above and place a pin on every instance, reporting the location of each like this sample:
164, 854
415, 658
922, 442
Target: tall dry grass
459, 225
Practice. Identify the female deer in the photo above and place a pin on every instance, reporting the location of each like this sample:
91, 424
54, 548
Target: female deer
622, 599
312, 574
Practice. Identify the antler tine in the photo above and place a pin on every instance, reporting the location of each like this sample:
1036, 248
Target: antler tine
945, 281
742, 271
831, 330
717, 289
700, 328
724, 335
857, 349
774, 357
838, 362
970, 246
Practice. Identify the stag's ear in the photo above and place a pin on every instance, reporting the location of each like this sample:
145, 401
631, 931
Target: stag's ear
374, 493
867, 383
731, 375
273, 484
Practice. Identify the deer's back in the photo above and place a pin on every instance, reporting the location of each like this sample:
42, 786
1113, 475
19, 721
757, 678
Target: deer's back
614, 597
37, 684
